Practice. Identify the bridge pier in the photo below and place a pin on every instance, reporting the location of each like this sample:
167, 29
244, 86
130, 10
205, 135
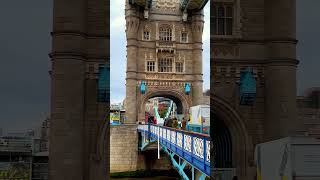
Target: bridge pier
123, 148
124, 156
148, 160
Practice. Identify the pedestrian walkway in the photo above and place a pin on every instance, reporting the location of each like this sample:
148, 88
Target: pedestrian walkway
189, 148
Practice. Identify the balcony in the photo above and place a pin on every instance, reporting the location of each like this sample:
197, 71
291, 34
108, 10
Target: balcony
165, 46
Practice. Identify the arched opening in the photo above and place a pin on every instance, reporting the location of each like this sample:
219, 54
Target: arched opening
159, 108
233, 145
179, 101
222, 143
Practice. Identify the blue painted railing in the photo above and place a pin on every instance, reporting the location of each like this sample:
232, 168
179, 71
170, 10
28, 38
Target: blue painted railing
192, 147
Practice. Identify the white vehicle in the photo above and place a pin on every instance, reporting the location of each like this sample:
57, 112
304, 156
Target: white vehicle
199, 118
291, 158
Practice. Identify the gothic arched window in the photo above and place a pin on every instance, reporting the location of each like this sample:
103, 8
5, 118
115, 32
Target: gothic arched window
184, 37
146, 33
223, 19
165, 64
165, 33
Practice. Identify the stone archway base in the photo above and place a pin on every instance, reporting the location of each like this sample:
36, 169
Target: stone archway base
176, 94
242, 146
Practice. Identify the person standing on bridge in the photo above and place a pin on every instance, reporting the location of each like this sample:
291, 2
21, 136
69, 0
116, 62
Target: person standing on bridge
175, 123
150, 120
165, 122
170, 122
154, 120
183, 124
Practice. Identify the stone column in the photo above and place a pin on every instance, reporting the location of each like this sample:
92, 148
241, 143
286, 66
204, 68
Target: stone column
197, 30
132, 27
67, 90
280, 85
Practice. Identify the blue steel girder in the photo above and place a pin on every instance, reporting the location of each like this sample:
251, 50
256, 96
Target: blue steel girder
192, 4
192, 148
147, 144
184, 4
149, 3
178, 166
142, 3
204, 2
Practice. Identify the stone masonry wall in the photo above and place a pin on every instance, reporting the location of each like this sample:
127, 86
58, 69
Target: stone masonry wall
123, 148
148, 160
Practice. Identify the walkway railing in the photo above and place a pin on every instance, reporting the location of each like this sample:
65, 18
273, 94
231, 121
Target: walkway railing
192, 147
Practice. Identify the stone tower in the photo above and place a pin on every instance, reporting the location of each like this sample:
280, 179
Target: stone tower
80, 46
255, 34
164, 52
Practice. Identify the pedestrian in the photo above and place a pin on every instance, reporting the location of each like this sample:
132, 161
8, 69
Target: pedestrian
150, 120
165, 122
155, 120
183, 124
188, 121
169, 122
175, 123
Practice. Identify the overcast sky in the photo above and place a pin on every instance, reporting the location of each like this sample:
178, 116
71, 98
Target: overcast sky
24, 46
25, 43
308, 50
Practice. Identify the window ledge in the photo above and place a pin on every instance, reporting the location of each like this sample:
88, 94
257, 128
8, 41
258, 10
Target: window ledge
233, 36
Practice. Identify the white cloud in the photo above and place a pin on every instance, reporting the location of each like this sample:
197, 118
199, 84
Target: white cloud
206, 35
206, 30
118, 22
116, 100
206, 47
117, 7
117, 51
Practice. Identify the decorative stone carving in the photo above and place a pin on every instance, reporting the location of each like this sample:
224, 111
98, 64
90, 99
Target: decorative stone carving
231, 73
222, 51
164, 76
167, 5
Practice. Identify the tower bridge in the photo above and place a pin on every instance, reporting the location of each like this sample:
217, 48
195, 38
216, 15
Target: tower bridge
164, 53
164, 58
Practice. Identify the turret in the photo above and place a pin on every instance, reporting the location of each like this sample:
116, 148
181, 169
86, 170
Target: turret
280, 97
197, 30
